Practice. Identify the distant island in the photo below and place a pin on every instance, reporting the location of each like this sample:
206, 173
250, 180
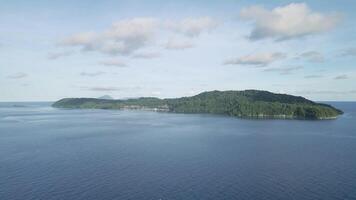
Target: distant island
106, 97
244, 104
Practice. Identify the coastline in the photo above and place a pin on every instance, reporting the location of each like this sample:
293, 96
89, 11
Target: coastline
166, 110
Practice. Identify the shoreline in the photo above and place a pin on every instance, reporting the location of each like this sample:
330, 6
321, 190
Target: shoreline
166, 110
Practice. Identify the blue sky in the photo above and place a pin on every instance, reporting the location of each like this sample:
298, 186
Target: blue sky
55, 49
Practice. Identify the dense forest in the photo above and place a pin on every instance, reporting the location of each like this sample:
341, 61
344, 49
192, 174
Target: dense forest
246, 104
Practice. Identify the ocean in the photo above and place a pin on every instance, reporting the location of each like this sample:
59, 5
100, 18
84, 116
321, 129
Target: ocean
58, 154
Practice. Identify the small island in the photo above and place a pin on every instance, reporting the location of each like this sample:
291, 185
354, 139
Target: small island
244, 104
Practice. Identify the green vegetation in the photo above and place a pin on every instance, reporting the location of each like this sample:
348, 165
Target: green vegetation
246, 104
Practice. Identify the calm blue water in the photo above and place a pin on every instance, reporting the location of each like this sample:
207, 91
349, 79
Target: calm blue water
52, 154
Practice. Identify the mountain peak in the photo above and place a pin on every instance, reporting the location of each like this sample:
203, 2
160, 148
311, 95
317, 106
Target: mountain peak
107, 97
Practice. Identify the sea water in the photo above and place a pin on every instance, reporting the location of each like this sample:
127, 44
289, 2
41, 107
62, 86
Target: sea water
58, 154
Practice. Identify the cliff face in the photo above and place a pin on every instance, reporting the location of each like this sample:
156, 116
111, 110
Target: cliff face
248, 104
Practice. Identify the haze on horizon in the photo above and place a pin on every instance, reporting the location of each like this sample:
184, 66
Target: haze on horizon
51, 50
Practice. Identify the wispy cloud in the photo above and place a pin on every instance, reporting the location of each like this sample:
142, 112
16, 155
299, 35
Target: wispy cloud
102, 88
109, 88
92, 74
178, 44
287, 22
192, 27
17, 75
313, 76
325, 92
146, 55
113, 63
284, 70
341, 77
258, 59
56, 55
348, 52
312, 56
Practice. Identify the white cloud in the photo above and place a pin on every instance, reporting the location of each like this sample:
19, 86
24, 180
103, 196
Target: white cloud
259, 59
192, 27
312, 56
113, 63
124, 37
178, 44
291, 21
127, 36
18, 75
284, 70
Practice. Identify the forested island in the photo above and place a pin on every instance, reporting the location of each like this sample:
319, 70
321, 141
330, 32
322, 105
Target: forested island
244, 104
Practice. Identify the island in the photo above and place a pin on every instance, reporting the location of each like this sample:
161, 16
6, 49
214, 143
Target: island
243, 104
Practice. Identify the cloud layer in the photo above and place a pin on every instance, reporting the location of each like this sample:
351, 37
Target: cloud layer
287, 22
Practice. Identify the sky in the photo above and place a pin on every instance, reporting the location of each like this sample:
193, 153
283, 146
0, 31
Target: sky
89, 48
